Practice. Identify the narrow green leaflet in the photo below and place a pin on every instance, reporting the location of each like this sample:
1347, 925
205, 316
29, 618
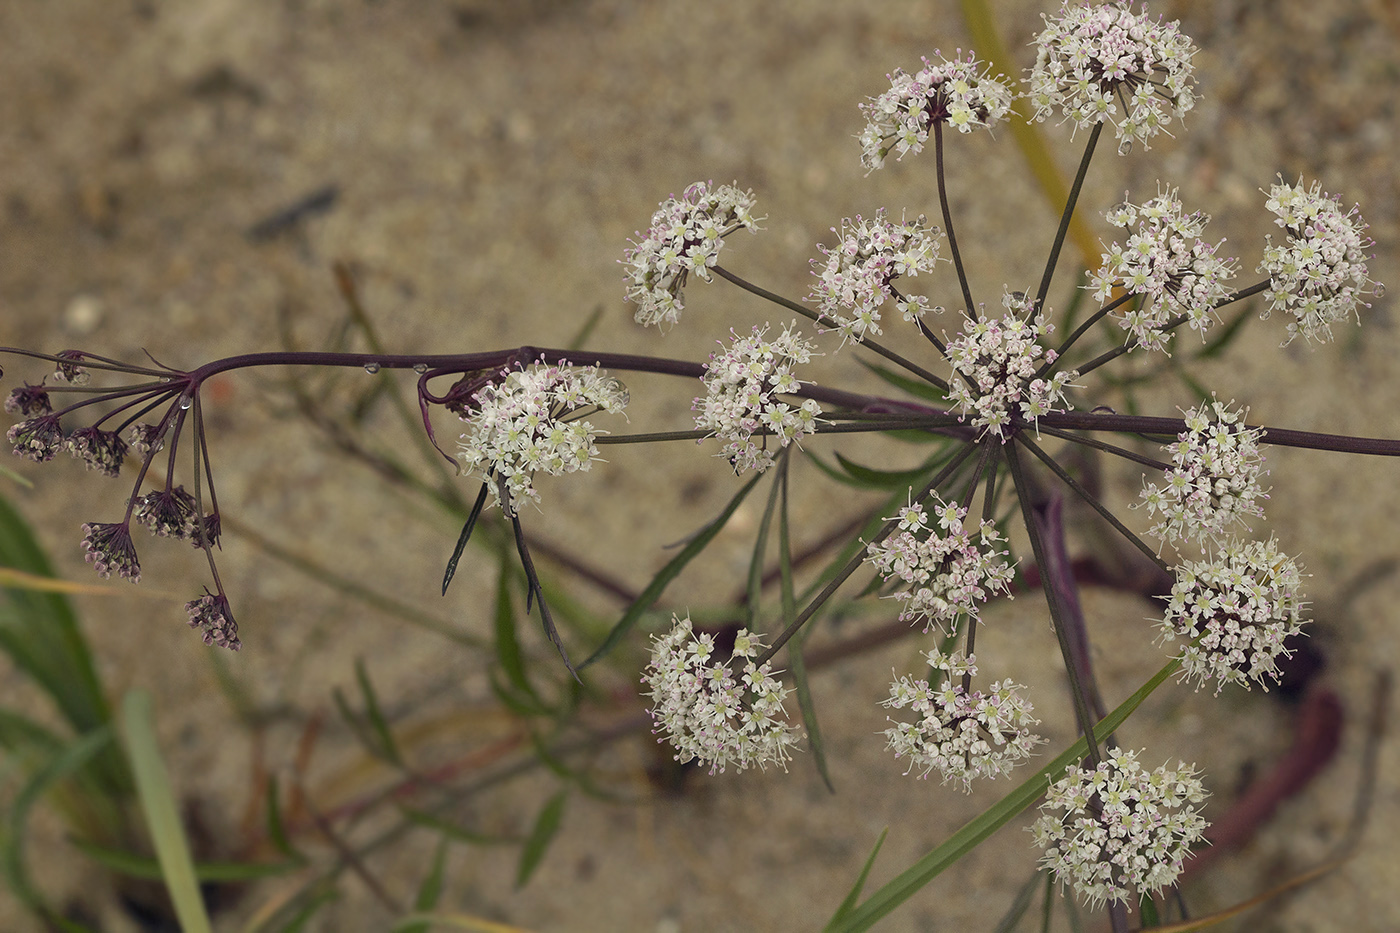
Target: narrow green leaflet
508, 654
375, 715
162, 812
852, 896
914, 878
430, 891
796, 665
668, 573
541, 835
149, 869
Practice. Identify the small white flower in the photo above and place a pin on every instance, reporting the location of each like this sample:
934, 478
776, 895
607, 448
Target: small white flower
961, 93
855, 280
1244, 602
995, 362
742, 385
685, 236
529, 422
1119, 829
963, 735
1166, 261
1319, 273
946, 574
1215, 482
706, 712
1097, 64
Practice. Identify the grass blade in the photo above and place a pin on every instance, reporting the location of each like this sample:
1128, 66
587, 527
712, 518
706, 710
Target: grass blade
668, 573
541, 835
162, 812
914, 878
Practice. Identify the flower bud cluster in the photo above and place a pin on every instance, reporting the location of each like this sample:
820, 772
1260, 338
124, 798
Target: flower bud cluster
1119, 828
1241, 604
685, 236
1215, 483
741, 389
997, 363
946, 574
856, 278
530, 422
109, 549
961, 93
1093, 59
1319, 273
963, 735
1166, 261
103, 451
706, 712
210, 616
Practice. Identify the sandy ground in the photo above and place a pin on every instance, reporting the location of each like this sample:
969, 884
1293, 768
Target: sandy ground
491, 158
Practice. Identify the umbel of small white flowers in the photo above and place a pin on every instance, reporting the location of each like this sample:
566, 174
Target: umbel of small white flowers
1116, 830
711, 711
961, 733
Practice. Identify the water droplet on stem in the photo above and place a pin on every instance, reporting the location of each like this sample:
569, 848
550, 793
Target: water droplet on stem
371, 368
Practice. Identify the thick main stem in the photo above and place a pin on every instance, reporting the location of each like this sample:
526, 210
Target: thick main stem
1026, 493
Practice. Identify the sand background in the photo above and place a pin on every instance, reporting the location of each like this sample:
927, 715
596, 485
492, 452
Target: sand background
491, 159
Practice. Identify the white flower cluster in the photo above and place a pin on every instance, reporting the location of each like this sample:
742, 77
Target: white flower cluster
1242, 604
961, 93
741, 389
999, 360
1319, 273
855, 279
1090, 60
1119, 828
1215, 483
685, 236
529, 422
963, 735
707, 713
947, 574
1166, 261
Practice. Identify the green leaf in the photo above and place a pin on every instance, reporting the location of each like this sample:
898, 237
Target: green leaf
541, 835
276, 829
796, 665
1021, 903
430, 891
668, 573
760, 550
1147, 912
581, 337
162, 812
915, 387
452, 830
375, 715
41, 635
853, 895
66, 763
146, 868
914, 878
1226, 334
508, 653
463, 538
884, 479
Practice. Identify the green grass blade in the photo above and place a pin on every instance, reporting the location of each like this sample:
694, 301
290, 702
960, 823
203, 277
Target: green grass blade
914, 878
853, 895
541, 835
796, 665
162, 812
66, 763
668, 573
146, 868
430, 891
375, 715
